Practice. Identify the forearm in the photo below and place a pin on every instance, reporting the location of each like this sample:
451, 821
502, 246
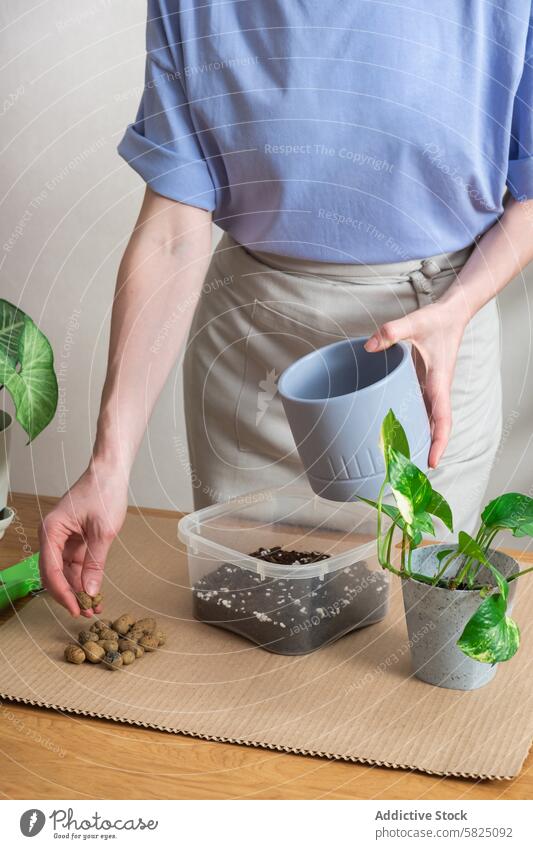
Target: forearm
501, 253
159, 281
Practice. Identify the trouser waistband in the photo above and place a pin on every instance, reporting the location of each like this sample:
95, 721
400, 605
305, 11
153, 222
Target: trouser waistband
394, 272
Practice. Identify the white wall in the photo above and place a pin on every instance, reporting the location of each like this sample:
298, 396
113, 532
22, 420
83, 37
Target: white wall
71, 84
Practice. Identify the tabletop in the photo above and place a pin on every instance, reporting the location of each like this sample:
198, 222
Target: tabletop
50, 755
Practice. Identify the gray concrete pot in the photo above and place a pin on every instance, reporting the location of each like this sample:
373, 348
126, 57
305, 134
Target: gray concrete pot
335, 399
436, 618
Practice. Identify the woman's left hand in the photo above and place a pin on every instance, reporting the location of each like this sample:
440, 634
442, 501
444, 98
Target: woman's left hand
435, 332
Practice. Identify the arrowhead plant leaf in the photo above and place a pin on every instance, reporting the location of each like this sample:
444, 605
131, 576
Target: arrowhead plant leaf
11, 324
30, 378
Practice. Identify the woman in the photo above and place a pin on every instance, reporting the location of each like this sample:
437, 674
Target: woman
357, 157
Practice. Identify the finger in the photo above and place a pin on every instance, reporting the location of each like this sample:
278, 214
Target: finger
73, 557
72, 572
92, 571
420, 367
52, 577
74, 550
388, 334
438, 393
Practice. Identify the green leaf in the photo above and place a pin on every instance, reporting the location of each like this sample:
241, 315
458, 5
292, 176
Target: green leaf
440, 555
410, 487
414, 532
439, 507
490, 636
11, 325
33, 386
512, 511
414, 535
391, 511
392, 436
422, 524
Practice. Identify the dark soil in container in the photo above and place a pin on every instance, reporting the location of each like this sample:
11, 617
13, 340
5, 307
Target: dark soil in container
287, 615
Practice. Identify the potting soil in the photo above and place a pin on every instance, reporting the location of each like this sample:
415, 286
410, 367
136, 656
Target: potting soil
288, 615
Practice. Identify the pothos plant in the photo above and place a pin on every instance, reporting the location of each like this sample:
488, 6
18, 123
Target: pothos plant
490, 636
27, 369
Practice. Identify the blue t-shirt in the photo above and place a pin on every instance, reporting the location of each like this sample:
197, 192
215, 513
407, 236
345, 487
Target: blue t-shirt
349, 131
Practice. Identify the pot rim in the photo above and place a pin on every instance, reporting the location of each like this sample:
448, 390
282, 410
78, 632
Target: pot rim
446, 589
289, 371
10, 514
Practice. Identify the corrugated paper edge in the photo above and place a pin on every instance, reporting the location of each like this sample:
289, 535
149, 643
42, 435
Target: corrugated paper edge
255, 744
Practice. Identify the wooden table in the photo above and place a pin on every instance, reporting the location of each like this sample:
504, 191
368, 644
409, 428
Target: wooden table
49, 755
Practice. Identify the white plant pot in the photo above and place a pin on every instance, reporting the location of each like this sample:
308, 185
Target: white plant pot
5, 435
6, 513
6, 517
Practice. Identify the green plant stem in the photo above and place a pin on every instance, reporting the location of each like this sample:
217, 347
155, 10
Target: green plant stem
480, 536
519, 574
389, 536
489, 538
389, 543
403, 555
390, 533
462, 574
484, 538
447, 562
379, 508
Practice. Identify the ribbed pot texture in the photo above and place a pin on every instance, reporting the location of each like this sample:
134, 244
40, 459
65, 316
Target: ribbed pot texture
335, 400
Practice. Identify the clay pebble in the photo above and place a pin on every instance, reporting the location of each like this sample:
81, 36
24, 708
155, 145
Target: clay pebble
115, 643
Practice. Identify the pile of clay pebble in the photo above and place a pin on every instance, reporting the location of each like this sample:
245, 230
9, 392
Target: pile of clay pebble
114, 643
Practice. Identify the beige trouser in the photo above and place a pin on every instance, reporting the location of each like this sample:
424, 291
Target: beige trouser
260, 312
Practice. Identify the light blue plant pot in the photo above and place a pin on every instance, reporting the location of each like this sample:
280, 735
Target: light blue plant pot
335, 400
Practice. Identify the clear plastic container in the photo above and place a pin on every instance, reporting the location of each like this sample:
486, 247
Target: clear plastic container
286, 609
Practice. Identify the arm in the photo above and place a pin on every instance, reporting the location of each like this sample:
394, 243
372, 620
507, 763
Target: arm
159, 281
436, 330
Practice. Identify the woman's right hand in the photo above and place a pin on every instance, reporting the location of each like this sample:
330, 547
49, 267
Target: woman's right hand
76, 535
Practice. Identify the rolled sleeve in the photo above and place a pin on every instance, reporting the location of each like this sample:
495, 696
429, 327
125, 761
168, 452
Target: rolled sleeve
520, 170
162, 145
